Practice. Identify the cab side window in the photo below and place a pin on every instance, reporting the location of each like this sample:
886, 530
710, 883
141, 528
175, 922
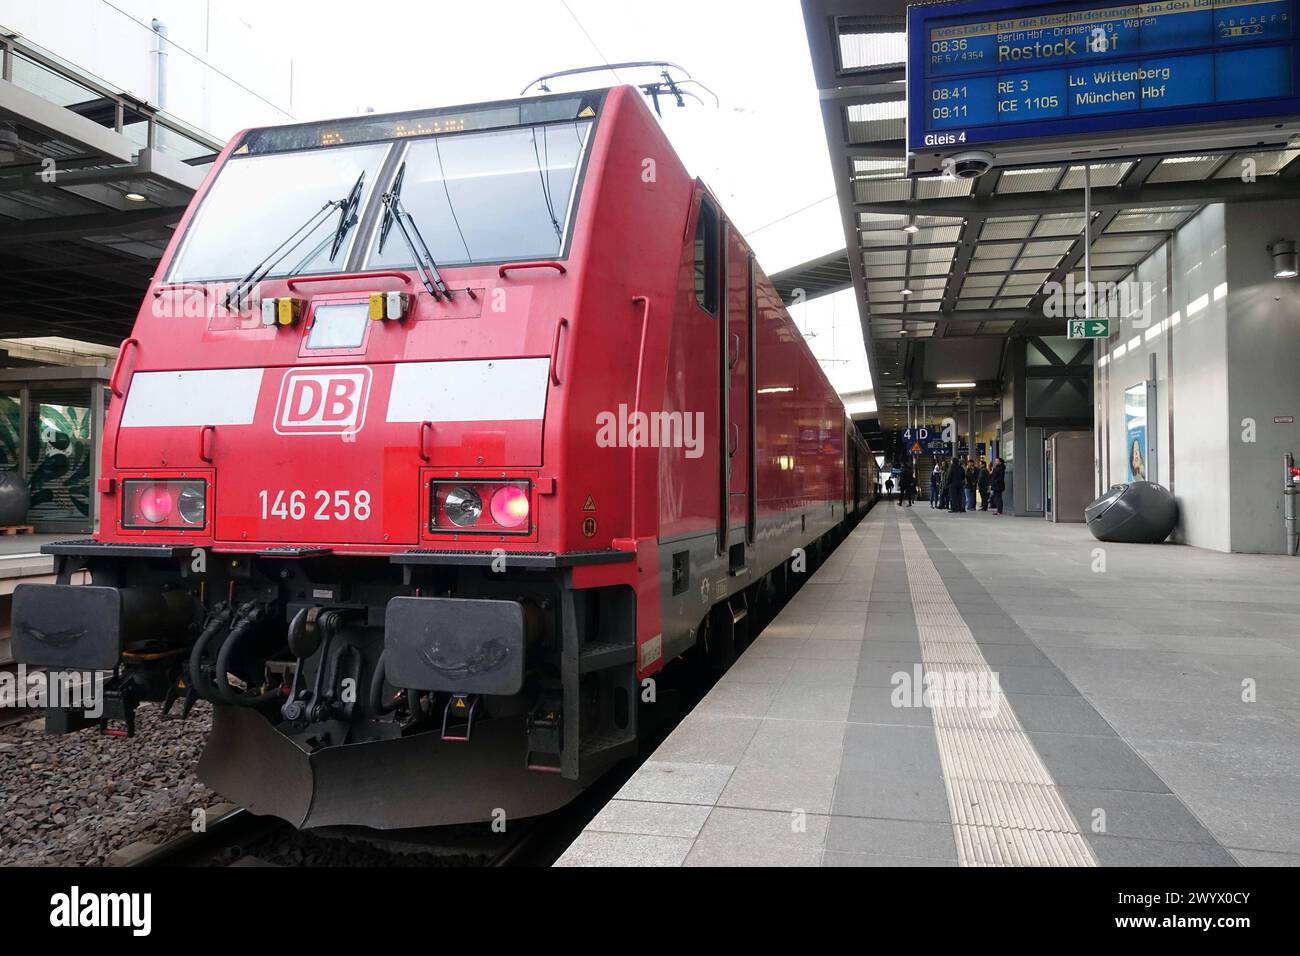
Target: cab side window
706, 259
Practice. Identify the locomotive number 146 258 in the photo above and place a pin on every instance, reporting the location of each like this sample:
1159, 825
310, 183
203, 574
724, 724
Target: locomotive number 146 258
295, 505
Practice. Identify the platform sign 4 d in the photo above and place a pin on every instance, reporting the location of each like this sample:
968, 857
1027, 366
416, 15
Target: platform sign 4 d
1089, 328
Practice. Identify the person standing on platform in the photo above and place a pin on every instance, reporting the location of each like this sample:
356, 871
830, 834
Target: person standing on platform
957, 487
889, 486
907, 486
936, 481
998, 482
982, 484
970, 485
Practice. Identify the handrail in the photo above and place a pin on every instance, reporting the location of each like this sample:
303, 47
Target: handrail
204, 454
640, 370
424, 428
555, 350
178, 286
117, 366
350, 277
509, 266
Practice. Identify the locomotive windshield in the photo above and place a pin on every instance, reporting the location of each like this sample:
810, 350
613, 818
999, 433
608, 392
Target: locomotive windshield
478, 195
258, 201
484, 197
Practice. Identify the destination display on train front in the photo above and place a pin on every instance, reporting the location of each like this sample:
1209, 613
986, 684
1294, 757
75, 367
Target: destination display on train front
982, 74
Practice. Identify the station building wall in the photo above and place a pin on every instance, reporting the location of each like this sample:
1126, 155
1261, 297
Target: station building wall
223, 73
1263, 371
1225, 336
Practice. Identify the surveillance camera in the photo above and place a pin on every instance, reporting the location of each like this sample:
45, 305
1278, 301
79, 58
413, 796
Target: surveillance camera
969, 165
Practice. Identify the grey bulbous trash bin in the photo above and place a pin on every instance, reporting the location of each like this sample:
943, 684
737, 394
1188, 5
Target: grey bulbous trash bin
15, 499
1140, 512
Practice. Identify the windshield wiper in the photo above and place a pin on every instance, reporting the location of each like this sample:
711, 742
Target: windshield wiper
347, 219
395, 212
386, 226
347, 215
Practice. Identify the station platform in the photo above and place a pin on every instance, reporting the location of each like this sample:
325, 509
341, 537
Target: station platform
1144, 712
20, 555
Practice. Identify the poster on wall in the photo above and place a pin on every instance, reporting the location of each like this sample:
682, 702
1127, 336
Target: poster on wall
1135, 430
59, 450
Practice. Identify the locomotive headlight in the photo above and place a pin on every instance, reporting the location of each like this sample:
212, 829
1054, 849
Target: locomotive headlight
165, 503
463, 506
191, 505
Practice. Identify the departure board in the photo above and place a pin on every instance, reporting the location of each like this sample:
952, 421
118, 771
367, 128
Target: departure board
984, 73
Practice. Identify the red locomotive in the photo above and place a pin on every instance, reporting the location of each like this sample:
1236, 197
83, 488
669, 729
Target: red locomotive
437, 435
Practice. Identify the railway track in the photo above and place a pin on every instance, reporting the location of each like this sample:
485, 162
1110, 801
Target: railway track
241, 835
226, 840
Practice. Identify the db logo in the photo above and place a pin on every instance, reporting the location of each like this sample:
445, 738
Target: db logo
318, 401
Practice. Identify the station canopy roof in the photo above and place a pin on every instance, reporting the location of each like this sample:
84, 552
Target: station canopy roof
974, 255
92, 182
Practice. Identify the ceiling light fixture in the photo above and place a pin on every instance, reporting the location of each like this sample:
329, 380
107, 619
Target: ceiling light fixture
136, 197
956, 385
1286, 261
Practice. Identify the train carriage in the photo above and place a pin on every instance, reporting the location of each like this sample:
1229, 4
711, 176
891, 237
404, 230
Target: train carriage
437, 435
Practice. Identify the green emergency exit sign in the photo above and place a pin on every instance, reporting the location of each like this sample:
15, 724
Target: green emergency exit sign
1090, 328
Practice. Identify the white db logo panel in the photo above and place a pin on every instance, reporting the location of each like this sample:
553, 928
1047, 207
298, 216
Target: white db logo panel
323, 401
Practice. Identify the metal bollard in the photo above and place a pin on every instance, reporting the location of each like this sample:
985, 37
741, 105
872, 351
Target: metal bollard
1290, 488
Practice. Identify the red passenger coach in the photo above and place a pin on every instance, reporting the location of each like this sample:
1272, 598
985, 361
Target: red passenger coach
437, 434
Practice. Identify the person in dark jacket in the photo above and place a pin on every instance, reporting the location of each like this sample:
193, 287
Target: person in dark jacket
998, 482
972, 476
908, 485
982, 483
957, 487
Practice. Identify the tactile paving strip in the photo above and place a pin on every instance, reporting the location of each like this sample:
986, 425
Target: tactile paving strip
950, 652
932, 615
1003, 846
1006, 808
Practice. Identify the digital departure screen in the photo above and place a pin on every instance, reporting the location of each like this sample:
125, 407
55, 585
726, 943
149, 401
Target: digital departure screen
981, 73
375, 128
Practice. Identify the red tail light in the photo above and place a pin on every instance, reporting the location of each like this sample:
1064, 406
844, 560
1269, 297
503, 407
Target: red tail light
156, 503
166, 504
480, 507
510, 506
